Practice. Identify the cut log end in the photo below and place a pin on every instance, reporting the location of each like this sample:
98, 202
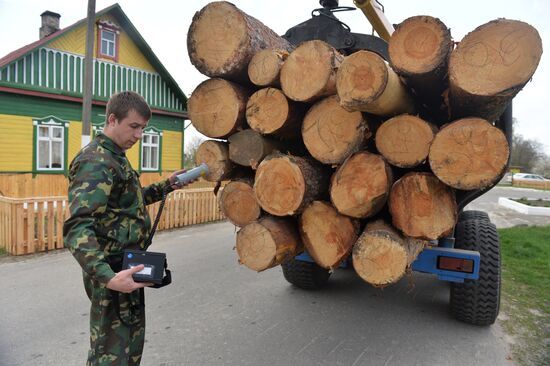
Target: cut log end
422, 206
420, 45
379, 259
327, 235
366, 83
309, 71
265, 67
217, 108
238, 203
215, 154
279, 186
267, 110
361, 185
405, 140
267, 243
496, 57
469, 154
332, 133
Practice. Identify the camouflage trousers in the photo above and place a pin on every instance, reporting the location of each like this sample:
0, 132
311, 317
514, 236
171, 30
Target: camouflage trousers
114, 340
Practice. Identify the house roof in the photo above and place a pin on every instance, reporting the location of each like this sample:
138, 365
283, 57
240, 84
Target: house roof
116, 11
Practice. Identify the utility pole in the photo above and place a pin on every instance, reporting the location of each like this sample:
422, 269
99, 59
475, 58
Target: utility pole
87, 92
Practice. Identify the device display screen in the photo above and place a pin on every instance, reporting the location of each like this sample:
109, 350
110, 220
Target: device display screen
147, 271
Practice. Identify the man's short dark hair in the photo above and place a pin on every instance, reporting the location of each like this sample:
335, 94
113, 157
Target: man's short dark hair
122, 103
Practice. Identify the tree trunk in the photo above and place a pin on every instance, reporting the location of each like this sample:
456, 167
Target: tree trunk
405, 140
238, 203
269, 112
327, 235
222, 40
469, 154
285, 184
490, 66
217, 107
216, 155
361, 185
331, 133
419, 52
381, 255
366, 83
422, 206
265, 67
309, 72
268, 243
249, 148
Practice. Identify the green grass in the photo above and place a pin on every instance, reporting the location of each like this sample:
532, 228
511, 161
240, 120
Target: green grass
526, 292
3, 252
537, 203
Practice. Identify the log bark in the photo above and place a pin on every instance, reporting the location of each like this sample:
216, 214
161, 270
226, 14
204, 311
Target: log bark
216, 155
222, 40
249, 148
422, 206
366, 83
361, 185
217, 107
419, 52
269, 112
381, 255
309, 72
331, 133
405, 140
285, 184
265, 67
238, 203
469, 154
268, 243
490, 66
327, 235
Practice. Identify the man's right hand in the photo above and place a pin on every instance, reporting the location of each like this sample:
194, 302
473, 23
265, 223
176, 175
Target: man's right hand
123, 281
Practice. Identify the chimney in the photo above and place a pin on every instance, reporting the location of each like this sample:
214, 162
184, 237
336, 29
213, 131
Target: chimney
50, 23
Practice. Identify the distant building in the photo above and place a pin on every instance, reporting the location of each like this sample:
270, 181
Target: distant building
41, 102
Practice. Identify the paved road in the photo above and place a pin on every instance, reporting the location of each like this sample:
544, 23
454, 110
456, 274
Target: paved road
504, 217
219, 313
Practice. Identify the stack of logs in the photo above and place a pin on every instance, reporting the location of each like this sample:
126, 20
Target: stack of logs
338, 154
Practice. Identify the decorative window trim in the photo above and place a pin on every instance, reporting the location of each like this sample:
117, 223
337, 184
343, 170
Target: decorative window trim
111, 27
50, 121
151, 131
97, 127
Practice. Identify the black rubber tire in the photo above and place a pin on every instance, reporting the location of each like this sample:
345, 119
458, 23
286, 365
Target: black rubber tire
478, 301
305, 275
473, 215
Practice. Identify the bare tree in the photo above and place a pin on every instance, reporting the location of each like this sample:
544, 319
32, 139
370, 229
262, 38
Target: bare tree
542, 167
526, 153
190, 150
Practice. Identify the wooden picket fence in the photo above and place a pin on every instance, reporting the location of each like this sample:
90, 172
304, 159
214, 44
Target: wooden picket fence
32, 225
531, 184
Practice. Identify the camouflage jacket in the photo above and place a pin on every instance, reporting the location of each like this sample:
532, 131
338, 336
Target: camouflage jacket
107, 207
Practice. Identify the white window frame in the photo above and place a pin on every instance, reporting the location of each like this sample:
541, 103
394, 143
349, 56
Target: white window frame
147, 148
50, 126
105, 52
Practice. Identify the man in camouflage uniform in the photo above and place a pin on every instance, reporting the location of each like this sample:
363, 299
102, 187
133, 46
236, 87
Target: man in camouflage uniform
108, 215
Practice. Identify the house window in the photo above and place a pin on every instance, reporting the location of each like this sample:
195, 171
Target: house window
108, 39
150, 150
51, 144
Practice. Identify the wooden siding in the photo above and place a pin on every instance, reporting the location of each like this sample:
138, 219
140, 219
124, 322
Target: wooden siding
15, 143
172, 143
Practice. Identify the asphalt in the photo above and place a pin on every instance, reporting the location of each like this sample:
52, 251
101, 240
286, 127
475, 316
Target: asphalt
217, 312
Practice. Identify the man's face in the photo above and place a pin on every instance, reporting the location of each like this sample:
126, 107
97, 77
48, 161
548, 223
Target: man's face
127, 131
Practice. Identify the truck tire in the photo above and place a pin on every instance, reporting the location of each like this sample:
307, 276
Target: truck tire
305, 275
478, 301
473, 215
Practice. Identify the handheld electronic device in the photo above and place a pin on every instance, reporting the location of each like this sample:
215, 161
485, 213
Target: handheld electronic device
154, 263
193, 174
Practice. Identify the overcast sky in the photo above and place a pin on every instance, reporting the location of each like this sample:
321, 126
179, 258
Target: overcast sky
164, 24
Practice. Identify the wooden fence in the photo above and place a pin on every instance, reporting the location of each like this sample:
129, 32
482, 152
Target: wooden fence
531, 184
31, 225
